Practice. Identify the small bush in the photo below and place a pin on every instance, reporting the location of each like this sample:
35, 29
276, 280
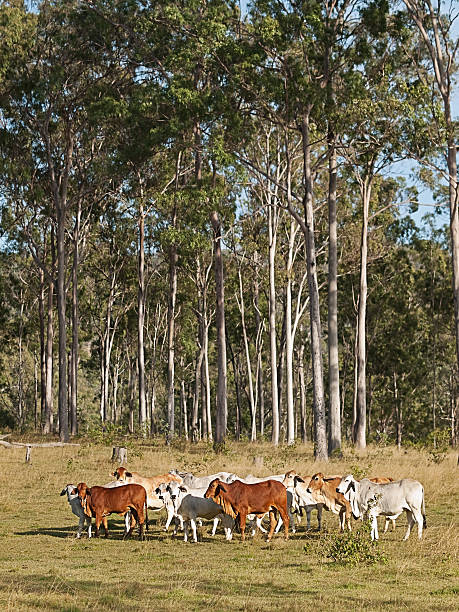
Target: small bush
438, 444
360, 471
353, 548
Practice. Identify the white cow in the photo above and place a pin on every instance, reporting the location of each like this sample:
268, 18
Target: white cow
77, 508
389, 499
251, 479
298, 486
188, 508
200, 482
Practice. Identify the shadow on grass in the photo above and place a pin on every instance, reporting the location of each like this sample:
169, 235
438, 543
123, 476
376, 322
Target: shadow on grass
116, 531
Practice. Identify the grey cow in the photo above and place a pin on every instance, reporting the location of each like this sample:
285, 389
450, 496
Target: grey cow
389, 499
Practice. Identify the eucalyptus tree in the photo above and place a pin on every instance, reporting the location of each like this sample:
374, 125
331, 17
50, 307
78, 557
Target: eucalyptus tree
286, 72
436, 64
377, 118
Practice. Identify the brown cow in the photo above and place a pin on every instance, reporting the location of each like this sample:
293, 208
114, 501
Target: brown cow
323, 490
240, 499
100, 502
150, 484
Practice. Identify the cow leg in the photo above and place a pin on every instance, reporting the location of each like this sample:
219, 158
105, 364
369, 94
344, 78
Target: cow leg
347, 515
81, 522
259, 523
342, 518
170, 516
319, 516
185, 531
291, 519
286, 520
215, 525
98, 522
228, 524
193, 528
88, 521
411, 521
308, 517
374, 527
141, 520
272, 524
419, 520
279, 525
242, 520
105, 524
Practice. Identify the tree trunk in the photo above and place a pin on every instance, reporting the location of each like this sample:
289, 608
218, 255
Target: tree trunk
41, 315
280, 372
48, 422
253, 408
320, 427
302, 385
289, 338
272, 238
259, 344
207, 406
75, 326
334, 420
197, 379
361, 407
183, 402
62, 321
143, 421
222, 410
131, 392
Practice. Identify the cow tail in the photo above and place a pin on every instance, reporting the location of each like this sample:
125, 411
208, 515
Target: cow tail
424, 520
146, 516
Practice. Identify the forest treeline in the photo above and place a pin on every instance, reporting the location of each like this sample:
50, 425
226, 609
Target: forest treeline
203, 233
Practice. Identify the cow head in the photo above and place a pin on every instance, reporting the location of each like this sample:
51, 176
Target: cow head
122, 474
289, 479
214, 489
84, 493
70, 491
176, 493
316, 483
350, 488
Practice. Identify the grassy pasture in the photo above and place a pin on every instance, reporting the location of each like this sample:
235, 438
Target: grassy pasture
42, 564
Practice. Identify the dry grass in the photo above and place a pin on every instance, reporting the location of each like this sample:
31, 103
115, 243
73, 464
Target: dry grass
42, 565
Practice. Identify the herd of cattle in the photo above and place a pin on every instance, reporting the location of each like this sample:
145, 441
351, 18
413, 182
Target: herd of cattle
231, 500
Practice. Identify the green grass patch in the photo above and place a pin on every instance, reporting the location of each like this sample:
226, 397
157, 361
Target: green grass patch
43, 566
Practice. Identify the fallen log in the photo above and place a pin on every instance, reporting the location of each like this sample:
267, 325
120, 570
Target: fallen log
35, 444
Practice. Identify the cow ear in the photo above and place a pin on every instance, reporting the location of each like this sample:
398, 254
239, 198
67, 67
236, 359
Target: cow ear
222, 487
74, 492
352, 485
128, 474
63, 492
297, 479
184, 489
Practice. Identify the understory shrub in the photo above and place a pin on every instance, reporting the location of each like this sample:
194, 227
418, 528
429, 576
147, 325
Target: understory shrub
355, 547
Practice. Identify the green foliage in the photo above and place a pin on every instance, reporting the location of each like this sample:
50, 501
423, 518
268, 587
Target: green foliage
355, 548
438, 444
360, 471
